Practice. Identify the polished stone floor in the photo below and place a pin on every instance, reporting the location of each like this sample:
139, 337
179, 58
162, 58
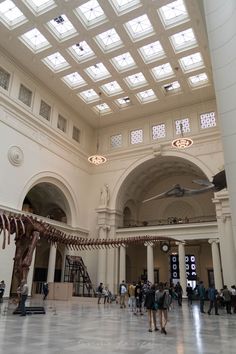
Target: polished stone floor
82, 326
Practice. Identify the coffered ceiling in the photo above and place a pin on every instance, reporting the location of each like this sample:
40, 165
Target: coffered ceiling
120, 59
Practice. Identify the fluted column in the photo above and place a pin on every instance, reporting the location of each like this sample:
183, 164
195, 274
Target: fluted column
102, 257
182, 266
216, 263
111, 264
52, 263
150, 262
122, 263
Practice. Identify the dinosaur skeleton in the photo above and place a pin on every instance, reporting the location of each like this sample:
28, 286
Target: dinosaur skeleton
28, 230
218, 183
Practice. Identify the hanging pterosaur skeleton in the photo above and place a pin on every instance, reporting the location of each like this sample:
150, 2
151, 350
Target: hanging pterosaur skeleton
218, 183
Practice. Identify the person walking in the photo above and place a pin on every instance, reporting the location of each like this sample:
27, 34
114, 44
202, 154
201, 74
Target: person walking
122, 292
45, 291
163, 300
150, 305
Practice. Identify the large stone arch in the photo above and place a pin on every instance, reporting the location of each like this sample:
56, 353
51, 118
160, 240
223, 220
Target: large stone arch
59, 182
194, 162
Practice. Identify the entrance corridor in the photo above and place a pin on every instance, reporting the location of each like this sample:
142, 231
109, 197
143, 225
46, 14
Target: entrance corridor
82, 326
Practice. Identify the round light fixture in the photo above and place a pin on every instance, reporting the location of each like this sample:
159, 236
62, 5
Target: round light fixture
182, 143
97, 159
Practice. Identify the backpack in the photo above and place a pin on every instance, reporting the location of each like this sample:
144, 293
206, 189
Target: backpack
123, 290
161, 301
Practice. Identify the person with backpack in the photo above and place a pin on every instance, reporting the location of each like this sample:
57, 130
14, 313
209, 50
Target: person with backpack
150, 305
122, 292
163, 300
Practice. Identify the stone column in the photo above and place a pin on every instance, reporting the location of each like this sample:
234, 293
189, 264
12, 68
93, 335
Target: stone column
31, 274
220, 21
216, 263
182, 266
150, 262
111, 266
52, 263
63, 264
122, 263
102, 257
229, 253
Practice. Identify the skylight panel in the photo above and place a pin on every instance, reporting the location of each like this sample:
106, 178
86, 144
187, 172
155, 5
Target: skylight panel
139, 27
198, 80
35, 40
123, 62
56, 62
112, 88
11, 15
136, 80
81, 51
182, 124
183, 40
91, 14
152, 52
123, 6
162, 71
123, 102
173, 13
146, 96
172, 87
61, 27
102, 108
39, 6
89, 96
109, 40
97, 72
74, 80
191, 62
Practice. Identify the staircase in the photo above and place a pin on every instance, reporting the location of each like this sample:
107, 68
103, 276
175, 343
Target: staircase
76, 273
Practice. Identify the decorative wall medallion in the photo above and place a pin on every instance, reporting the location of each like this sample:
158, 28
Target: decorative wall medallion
15, 155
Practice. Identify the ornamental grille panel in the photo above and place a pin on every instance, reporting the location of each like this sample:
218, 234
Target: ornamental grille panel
61, 123
136, 136
116, 141
185, 126
25, 95
45, 110
158, 131
4, 79
190, 263
208, 120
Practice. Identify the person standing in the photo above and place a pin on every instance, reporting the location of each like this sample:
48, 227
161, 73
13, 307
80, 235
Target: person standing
202, 295
227, 297
179, 292
139, 298
131, 291
100, 292
45, 291
212, 296
122, 292
2, 290
163, 300
23, 297
189, 291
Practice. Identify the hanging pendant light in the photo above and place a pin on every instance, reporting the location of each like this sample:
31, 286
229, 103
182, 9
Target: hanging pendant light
182, 142
98, 159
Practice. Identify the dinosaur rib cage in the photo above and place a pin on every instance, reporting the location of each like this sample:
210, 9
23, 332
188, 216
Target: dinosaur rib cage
23, 227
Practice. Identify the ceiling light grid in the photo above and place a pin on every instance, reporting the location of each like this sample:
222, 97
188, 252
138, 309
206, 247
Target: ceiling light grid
35, 40
38, 7
11, 15
91, 14
173, 13
139, 28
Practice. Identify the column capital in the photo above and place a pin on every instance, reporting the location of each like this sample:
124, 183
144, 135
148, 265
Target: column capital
225, 217
178, 243
103, 227
149, 244
213, 240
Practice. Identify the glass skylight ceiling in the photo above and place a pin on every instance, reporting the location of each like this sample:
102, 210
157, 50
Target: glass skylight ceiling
173, 13
61, 27
139, 28
135, 54
35, 40
10, 14
91, 13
